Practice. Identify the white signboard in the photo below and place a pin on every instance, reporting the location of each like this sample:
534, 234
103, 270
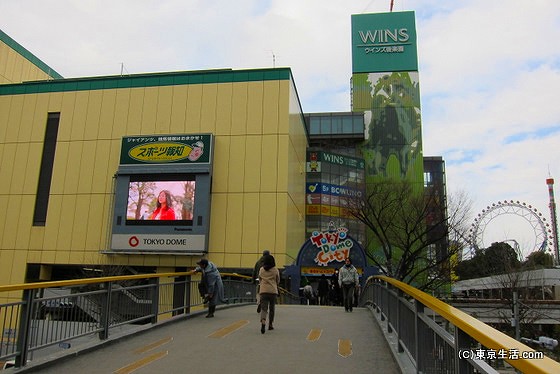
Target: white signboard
158, 243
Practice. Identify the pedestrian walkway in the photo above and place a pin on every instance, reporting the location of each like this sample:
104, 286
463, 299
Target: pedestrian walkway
305, 339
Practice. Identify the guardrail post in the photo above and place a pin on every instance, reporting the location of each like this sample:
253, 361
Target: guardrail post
188, 287
462, 342
179, 295
390, 295
22, 344
398, 325
376, 292
155, 299
418, 310
384, 299
106, 311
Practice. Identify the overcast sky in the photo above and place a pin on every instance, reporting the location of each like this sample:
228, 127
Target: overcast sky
489, 71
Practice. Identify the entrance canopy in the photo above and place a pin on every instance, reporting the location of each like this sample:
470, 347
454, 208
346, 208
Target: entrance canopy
324, 253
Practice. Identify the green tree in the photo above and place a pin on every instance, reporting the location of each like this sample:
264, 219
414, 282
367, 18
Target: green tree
497, 259
539, 259
500, 258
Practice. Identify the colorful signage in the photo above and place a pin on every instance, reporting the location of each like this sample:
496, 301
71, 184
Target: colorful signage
314, 160
165, 149
162, 194
328, 271
328, 199
332, 189
333, 245
384, 42
313, 271
391, 103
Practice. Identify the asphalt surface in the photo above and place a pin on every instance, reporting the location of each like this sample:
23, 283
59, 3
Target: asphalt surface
305, 339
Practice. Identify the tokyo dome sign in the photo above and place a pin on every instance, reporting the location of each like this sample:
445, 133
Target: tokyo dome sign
333, 244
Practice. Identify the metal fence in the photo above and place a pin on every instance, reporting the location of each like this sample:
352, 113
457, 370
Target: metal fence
434, 336
438, 338
42, 315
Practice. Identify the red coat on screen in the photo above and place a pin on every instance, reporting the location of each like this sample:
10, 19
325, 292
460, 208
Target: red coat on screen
163, 214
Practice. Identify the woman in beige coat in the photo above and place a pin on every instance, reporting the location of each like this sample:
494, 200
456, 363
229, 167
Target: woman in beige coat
269, 280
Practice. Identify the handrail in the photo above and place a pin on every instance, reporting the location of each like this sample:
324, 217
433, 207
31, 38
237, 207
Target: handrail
78, 282
32, 321
115, 278
481, 332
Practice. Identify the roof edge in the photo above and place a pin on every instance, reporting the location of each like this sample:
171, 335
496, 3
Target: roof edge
28, 55
147, 80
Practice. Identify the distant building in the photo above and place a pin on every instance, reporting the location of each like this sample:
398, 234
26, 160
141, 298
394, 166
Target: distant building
539, 284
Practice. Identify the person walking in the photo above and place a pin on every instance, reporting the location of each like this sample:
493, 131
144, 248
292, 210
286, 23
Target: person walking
256, 269
213, 282
269, 281
348, 280
323, 290
308, 294
335, 292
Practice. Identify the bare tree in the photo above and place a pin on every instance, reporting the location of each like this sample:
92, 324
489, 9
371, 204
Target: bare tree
501, 275
140, 194
187, 200
410, 230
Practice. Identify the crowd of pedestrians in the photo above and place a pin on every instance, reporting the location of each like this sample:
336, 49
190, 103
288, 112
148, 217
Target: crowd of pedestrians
340, 289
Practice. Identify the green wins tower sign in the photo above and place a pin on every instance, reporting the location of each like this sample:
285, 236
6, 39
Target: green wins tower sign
384, 42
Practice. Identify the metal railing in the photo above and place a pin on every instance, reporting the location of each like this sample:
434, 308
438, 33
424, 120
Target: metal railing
438, 338
37, 316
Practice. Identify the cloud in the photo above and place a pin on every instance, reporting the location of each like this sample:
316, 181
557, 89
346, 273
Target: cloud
489, 70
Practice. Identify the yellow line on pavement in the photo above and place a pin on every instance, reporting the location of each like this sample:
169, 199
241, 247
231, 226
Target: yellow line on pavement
228, 329
140, 363
314, 335
156, 344
344, 347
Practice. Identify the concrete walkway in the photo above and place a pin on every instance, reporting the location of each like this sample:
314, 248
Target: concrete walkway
306, 339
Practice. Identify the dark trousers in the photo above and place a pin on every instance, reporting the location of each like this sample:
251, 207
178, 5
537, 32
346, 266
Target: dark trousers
348, 295
268, 301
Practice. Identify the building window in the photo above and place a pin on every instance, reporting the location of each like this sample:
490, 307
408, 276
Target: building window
45, 173
427, 179
347, 125
336, 125
315, 126
326, 126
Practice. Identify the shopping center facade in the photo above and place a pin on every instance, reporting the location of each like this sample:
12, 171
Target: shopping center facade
83, 161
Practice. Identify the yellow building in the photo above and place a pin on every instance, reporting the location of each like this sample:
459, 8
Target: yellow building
61, 157
19, 65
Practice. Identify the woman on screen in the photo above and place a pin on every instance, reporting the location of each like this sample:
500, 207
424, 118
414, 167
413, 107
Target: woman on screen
164, 210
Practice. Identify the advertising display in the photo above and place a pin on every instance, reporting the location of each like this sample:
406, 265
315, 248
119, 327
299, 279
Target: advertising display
384, 42
386, 88
329, 199
160, 201
326, 250
166, 149
391, 106
162, 196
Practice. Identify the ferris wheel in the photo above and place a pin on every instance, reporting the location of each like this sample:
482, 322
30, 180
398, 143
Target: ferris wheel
541, 229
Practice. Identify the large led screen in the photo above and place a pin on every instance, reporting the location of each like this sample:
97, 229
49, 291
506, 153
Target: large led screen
161, 200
